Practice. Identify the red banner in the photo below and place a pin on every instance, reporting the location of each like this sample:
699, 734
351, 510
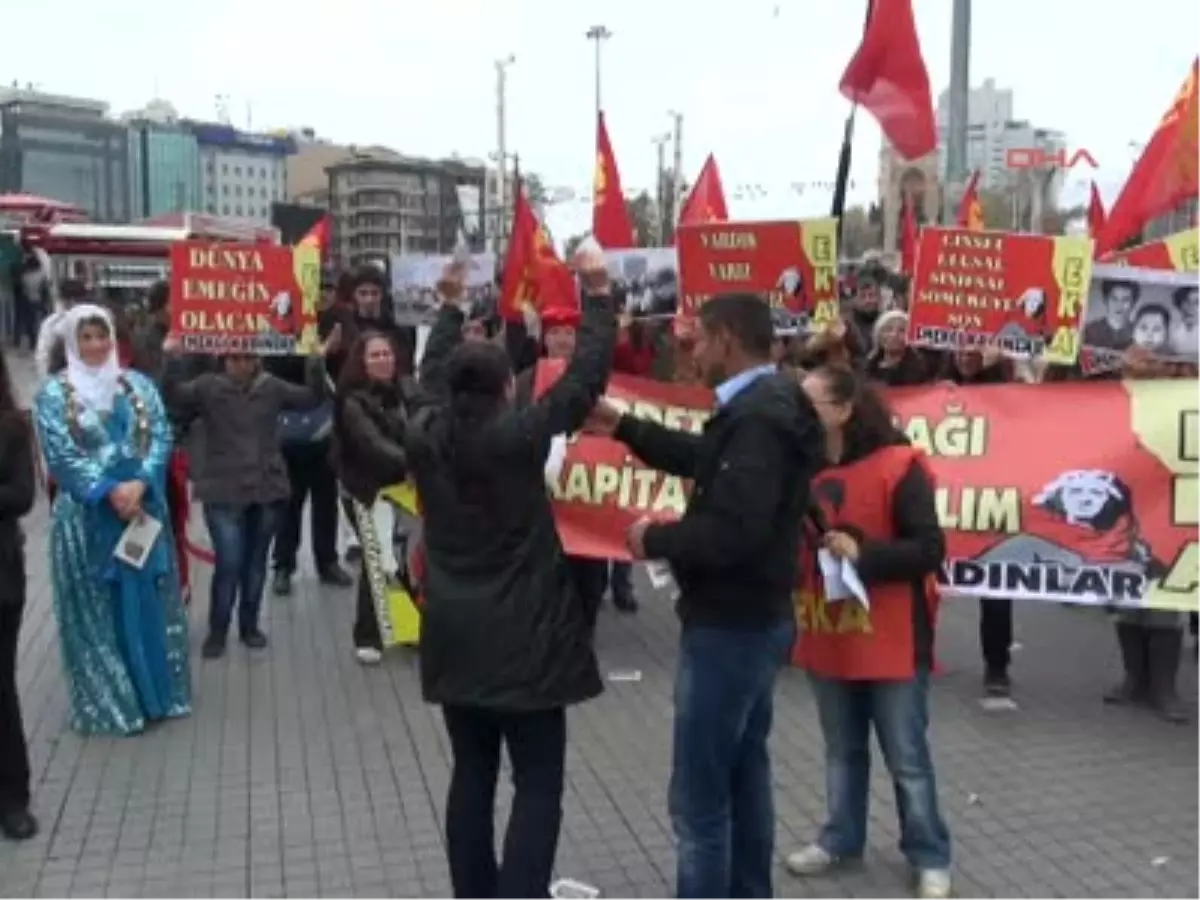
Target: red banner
1029, 509
245, 298
602, 488
1025, 291
1178, 252
792, 264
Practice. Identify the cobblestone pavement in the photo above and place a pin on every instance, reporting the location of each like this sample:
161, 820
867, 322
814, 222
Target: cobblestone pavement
303, 774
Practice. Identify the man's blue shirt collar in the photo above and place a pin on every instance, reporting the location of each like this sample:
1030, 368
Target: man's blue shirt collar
731, 387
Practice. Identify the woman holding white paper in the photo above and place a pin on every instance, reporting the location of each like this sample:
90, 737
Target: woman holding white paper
122, 628
869, 658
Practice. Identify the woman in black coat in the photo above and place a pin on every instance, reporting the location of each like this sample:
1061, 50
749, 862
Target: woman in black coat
17, 482
368, 427
506, 644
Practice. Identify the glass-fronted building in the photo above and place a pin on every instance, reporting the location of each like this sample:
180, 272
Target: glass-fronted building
67, 150
164, 170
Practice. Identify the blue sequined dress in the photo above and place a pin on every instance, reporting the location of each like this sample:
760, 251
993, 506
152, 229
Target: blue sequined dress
123, 631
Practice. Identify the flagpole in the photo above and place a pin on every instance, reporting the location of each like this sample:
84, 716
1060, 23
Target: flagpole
843, 169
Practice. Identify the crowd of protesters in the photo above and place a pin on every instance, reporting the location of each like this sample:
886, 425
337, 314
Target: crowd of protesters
131, 430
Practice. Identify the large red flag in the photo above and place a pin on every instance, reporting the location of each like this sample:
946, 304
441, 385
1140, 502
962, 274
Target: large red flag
1095, 213
533, 275
908, 239
706, 202
610, 218
888, 78
970, 209
1164, 175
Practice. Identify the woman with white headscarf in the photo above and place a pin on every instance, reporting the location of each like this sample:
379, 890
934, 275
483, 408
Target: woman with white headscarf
122, 628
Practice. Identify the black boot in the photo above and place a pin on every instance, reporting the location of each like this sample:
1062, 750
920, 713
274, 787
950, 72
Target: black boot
1134, 688
1166, 647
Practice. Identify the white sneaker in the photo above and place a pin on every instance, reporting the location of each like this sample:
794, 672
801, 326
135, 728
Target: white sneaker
933, 884
811, 860
368, 656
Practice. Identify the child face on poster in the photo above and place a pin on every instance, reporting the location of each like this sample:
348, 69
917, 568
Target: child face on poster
1151, 327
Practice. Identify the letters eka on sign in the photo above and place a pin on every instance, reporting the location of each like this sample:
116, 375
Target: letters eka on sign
1037, 158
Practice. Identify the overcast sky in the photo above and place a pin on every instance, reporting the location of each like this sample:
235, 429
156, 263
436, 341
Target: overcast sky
756, 80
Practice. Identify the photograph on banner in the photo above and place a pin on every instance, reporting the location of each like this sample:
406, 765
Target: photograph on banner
793, 264
649, 278
1031, 511
258, 299
601, 488
1022, 292
1154, 309
1177, 252
414, 284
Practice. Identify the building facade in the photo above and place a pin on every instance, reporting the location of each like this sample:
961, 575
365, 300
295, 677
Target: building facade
165, 163
383, 203
67, 149
241, 173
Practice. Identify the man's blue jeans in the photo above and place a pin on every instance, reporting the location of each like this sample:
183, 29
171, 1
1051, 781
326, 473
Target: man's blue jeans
899, 711
241, 539
720, 796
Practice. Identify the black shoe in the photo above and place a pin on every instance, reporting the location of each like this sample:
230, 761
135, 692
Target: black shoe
353, 554
626, 603
335, 576
997, 684
255, 639
282, 583
18, 826
213, 647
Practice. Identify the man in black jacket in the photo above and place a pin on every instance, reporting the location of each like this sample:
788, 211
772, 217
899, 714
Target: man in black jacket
734, 555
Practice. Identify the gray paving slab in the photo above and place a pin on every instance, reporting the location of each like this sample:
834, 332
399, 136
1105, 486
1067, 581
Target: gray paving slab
304, 774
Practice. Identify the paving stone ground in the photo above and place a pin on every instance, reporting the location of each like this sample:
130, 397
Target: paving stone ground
303, 774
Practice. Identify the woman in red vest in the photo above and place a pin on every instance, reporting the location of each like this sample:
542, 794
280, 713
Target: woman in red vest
869, 663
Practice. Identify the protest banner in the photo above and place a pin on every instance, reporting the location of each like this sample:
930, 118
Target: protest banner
601, 488
1110, 520
1153, 309
245, 298
1025, 292
1179, 252
415, 277
792, 264
648, 277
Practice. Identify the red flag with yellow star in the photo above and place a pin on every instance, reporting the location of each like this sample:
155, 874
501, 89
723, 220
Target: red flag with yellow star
610, 218
533, 275
1163, 177
706, 202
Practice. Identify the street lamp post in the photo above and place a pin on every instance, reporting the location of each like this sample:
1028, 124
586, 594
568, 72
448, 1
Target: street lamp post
501, 140
660, 194
597, 34
677, 184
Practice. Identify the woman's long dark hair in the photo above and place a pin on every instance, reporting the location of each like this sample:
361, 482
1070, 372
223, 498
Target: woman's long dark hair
477, 376
353, 375
871, 424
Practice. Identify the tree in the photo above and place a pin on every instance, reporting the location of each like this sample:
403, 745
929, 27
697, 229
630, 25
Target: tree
536, 191
643, 216
859, 233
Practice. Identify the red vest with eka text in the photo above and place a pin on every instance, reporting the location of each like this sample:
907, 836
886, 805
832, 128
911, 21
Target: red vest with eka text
843, 639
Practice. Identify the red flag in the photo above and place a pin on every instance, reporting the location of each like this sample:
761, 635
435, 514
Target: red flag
610, 218
706, 202
1164, 175
318, 235
970, 209
908, 239
887, 77
1095, 213
533, 273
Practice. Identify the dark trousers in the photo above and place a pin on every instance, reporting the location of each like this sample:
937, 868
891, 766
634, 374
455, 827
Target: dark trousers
241, 539
26, 322
996, 633
537, 747
620, 581
720, 797
366, 622
312, 478
14, 755
589, 577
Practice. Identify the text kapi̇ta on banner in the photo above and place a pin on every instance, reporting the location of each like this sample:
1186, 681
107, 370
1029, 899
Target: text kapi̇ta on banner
1025, 292
1110, 520
245, 298
793, 264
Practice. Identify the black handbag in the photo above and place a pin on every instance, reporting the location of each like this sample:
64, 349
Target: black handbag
308, 426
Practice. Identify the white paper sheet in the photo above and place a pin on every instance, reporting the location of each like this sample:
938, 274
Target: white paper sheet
137, 541
841, 579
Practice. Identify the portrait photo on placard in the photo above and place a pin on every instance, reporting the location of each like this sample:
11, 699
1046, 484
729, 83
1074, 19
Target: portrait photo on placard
1147, 308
